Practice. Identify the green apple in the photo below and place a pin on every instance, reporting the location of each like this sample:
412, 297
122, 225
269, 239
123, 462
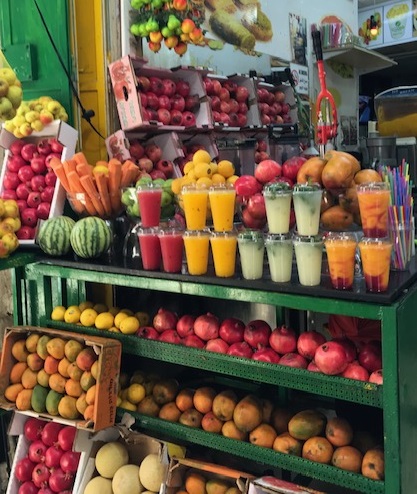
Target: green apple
8, 74
23, 109
133, 210
128, 196
31, 116
26, 129
15, 95
166, 199
143, 181
159, 181
37, 125
4, 87
10, 114
5, 105
166, 186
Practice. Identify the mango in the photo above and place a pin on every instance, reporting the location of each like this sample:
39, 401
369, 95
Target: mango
306, 424
87, 380
38, 400
29, 379
32, 342
81, 403
43, 378
63, 367
86, 358
55, 348
336, 219
52, 401
34, 362
74, 372
57, 382
51, 365
16, 373
73, 388
19, 350
11, 392
72, 349
23, 399
67, 408
41, 349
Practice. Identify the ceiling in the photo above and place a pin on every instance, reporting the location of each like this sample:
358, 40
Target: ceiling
369, 3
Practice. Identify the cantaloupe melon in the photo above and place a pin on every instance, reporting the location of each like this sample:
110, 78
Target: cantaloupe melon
152, 472
126, 480
110, 458
98, 484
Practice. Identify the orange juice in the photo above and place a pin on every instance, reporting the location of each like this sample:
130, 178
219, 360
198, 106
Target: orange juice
341, 249
222, 205
223, 246
196, 246
376, 259
374, 199
195, 206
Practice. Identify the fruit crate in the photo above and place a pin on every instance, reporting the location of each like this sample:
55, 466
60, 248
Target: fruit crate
109, 355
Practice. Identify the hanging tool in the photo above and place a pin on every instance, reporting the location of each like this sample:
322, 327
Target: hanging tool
325, 105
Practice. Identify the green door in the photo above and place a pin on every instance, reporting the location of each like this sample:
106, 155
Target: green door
29, 51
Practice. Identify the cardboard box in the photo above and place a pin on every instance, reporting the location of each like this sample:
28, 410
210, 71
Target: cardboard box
16, 428
179, 466
109, 354
123, 75
68, 137
272, 485
138, 445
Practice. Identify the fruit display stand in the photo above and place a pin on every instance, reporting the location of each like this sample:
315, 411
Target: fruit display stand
54, 282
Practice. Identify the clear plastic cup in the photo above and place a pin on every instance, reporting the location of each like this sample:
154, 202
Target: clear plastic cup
150, 248
374, 199
149, 199
279, 250
251, 253
307, 202
196, 244
223, 247
341, 250
195, 199
376, 260
172, 249
278, 206
308, 255
222, 204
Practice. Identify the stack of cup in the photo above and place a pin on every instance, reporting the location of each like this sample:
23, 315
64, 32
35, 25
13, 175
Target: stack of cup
278, 240
375, 247
308, 244
157, 244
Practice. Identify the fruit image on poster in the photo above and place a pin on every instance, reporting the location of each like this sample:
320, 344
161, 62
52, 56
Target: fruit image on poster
371, 27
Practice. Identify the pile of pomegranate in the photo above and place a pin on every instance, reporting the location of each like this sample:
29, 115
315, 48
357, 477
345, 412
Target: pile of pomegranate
30, 181
272, 106
258, 341
50, 465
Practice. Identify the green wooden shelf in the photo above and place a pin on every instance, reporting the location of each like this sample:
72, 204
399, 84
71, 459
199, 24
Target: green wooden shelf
17, 259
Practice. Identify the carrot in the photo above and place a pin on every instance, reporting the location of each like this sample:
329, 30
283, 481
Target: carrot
76, 187
90, 189
103, 190
69, 166
80, 158
115, 177
59, 171
114, 161
129, 172
84, 169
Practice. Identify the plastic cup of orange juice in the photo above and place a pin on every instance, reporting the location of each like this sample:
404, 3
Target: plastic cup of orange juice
374, 199
341, 249
195, 199
376, 260
196, 245
222, 204
223, 247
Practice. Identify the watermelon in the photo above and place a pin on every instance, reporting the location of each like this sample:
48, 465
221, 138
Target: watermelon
54, 235
90, 237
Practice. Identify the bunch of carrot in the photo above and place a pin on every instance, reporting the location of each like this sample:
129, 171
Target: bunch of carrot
95, 191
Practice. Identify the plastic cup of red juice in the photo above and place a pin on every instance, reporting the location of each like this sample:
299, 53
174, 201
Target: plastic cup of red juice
149, 199
150, 248
172, 248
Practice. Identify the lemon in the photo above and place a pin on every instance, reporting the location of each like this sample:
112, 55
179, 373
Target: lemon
85, 305
104, 320
191, 176
225, 168
113, 329
204, 181
135, 393
58, 313
114, 310
129, 325
88, 317
100, 308
187, 180
72, 314
202, 170
201, 156
213, 167
143, 318
231, 180
176, 185
118, 318
128, 406
188, 167
218, 179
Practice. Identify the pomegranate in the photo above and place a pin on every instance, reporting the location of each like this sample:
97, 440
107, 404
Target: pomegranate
308, 342
240, 349
28, 488
267, 170
312, 367
207, 326
16, 147
170, 336
376, 377
266, 355
355, 371
370, 356
330, 358
283, 340
53, 456
193, 341
293, 359
349, 346
257, 333
24, 469
217, 345
36, 451
231, 330
165, 319
40, 475
147, 332
69, 461
185, 325
50, 433
66, 437
33, 429
59, 480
